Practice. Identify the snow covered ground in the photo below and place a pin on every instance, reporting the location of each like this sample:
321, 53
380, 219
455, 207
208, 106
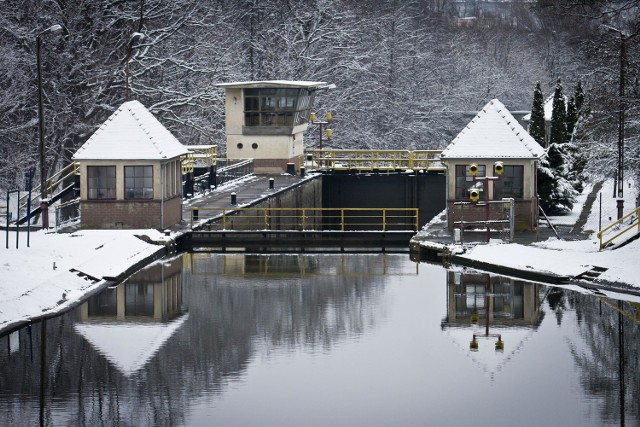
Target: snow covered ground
56, 270
571, 258
59, 269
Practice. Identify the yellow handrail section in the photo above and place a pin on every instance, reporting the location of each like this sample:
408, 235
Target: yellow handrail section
615, 229
198, 156
308, 219
375, 160
53, 181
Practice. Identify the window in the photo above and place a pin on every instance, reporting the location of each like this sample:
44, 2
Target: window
510, 184
101, 182
465, 182
276, 107
138, 182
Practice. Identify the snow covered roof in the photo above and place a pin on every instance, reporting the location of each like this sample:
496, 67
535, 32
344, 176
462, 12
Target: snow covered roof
276, 84
129, 346
493, 133
548, 109
131, 133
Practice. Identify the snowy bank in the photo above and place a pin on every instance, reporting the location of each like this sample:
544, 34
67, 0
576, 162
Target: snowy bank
57, 270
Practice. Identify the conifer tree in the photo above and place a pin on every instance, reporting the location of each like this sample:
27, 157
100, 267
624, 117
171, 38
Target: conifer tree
578, 97
537, 127
572, 117
558, 134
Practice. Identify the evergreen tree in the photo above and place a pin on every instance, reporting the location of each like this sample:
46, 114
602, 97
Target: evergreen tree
558, 133
578, 97
572, 117
537, 127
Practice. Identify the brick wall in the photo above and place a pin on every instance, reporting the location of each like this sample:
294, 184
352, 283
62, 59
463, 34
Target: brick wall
121, 214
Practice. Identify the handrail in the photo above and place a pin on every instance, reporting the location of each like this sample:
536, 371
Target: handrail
309, 219
372, 160
52, 182
633, 223
201, 154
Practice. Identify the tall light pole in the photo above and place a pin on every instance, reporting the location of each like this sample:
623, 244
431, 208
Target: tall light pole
51, 29
624, 38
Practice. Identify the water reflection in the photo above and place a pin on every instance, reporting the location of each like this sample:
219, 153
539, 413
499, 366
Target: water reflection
290, 339
490, 312
130, 322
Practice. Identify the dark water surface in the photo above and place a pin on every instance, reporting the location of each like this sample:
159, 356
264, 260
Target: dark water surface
325, 340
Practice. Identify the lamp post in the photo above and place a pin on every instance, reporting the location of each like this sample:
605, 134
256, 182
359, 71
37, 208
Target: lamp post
51, 29
624, 38
327, 119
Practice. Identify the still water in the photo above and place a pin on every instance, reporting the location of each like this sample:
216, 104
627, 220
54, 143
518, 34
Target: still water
325, 340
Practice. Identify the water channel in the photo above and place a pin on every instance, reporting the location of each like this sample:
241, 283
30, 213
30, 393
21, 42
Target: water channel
338, 339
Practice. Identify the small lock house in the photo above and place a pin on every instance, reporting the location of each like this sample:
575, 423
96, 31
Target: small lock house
131, 176
493, 135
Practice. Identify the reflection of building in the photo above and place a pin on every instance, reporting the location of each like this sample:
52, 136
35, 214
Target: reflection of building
511, 303
130, 322
490, 317
151, 295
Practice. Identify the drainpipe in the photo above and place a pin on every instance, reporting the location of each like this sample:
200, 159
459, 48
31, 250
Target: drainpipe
162, 170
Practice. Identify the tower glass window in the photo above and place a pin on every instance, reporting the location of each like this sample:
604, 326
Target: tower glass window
276, 106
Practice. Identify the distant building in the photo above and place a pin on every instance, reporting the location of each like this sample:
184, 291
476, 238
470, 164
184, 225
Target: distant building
493, 135
265, 121
131, 175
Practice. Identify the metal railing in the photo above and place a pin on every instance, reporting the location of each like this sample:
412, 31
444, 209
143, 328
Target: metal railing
53, 181
198, 156
374, 160
618, 228
505, 223
307, 219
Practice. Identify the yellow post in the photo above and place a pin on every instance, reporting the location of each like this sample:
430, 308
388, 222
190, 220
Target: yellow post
342, 219
266, 223
384, 220
303, 219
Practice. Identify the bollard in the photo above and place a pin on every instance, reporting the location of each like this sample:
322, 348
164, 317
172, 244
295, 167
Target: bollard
44, 213
291, 168
271, 183
233, 198
302, 171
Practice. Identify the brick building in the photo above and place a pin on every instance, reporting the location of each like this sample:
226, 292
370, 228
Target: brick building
131, 174
493, 135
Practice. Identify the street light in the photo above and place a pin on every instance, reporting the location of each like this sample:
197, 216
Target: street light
327, 119
52, 29
621, 113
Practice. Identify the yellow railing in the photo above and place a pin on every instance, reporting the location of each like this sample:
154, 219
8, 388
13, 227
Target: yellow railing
618, 228
53, 181
198, 155
308, 219
375, 160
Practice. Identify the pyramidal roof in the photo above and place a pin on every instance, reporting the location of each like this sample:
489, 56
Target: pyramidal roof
131, 133
493, 133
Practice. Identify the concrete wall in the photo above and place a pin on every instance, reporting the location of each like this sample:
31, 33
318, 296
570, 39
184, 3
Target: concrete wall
306, 195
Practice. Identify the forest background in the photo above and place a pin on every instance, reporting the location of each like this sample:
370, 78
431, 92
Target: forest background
408, 74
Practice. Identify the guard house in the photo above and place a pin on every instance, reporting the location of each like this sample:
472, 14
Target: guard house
265, 121
494, 135
130, 173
